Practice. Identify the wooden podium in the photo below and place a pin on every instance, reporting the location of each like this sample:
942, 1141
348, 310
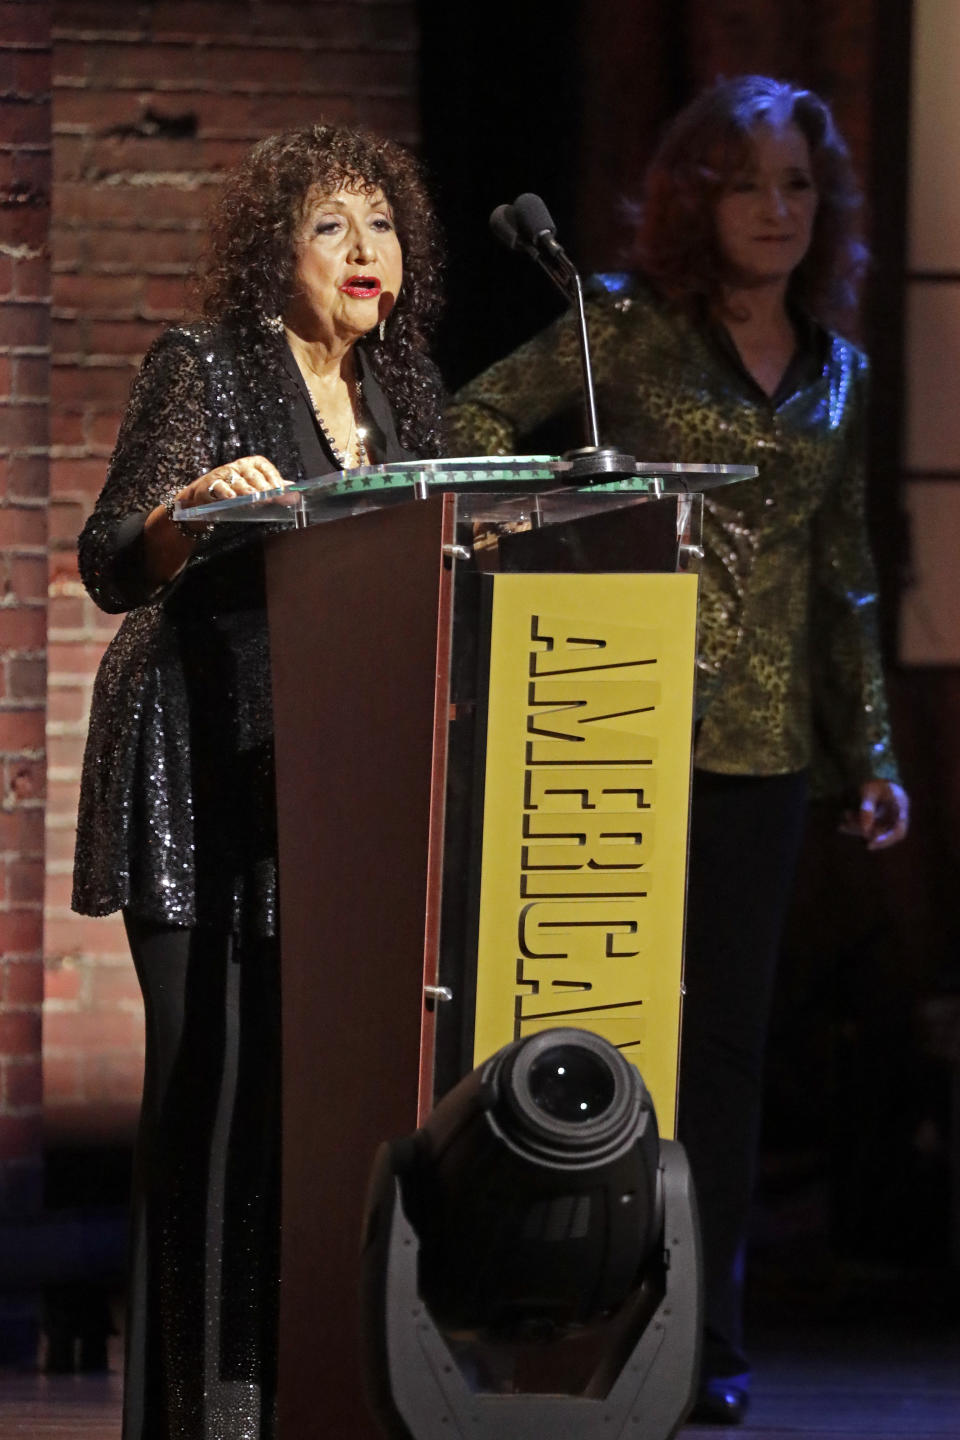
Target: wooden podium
383, 634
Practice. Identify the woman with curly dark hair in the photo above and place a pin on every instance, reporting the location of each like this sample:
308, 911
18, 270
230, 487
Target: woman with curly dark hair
719, 351
318, 291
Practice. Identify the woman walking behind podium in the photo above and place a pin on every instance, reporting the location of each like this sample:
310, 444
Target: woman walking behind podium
720, 350
319, 286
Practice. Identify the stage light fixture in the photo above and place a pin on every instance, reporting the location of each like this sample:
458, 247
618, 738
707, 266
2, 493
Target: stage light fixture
531, 1256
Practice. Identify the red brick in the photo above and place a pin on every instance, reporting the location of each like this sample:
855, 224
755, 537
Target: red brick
63, 983
79, 474
33, 72
26, 779
25, 123
122, 337
68, 338
118, 1076
22, 525
22, 1085
31, 377
28, 577
149, 251
102, 429
31, 278
23, 323
62, 798
20, 1033
25, 881
387, 116
58, 891
22, 628
165, 295
73, 657
98, 110
71, 160
6, 276
26, 679
115, 985
85, 935
21, 831
84, 1030
66, 753
23, 426
66, 612
66, 521
26, 24
22, 982
20, 1136
66, 704
60, 846
68, 247
97, 294
21, 730
27, 477
67, 428
27, 225
62, 1078
106, 386
195, 18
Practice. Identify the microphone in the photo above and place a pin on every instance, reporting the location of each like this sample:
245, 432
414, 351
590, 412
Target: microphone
535, 224
527, 225
504, 226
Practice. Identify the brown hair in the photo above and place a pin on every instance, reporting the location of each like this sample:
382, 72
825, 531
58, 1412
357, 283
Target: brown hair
250, 262
704, 147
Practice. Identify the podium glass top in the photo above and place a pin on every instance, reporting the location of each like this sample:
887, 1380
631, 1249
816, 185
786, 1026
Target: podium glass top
331, 497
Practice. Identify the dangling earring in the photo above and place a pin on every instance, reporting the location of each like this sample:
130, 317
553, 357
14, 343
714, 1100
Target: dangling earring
383, 329
274, 323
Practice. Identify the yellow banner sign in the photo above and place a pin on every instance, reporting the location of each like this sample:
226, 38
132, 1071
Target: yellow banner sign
586, 802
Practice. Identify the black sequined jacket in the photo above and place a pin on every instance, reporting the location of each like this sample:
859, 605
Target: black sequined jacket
177, 812
789, 664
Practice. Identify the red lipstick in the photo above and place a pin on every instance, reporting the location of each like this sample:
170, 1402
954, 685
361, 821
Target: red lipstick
363, 287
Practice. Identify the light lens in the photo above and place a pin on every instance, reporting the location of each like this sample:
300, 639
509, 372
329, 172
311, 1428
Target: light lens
571, 1084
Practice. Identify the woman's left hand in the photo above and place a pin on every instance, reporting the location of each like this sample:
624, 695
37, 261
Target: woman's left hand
883, 817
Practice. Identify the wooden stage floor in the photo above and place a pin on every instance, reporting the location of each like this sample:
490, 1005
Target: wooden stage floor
827, 1383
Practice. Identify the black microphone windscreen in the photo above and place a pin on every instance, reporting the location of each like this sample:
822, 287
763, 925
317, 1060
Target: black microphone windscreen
504, 226
532, 217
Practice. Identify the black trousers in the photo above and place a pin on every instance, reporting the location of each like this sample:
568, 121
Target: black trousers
745, 840
202, 1294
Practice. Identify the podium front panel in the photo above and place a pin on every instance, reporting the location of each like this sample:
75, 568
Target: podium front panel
359, 649
385, 673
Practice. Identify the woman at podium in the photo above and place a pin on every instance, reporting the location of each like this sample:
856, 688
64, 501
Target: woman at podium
721, 350
317, 292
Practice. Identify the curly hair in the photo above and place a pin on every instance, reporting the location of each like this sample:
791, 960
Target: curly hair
707, 144
249, 268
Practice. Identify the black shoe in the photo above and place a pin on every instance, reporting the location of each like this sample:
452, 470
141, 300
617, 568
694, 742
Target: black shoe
719, 1403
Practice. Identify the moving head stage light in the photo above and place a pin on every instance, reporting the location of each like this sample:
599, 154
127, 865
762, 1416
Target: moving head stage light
531, 1257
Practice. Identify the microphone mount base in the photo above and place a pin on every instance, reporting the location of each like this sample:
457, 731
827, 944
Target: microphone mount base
595, 464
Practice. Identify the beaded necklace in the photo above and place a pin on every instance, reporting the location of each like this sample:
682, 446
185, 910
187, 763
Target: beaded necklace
343, 457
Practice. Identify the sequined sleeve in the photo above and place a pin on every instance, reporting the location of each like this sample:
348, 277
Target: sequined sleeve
851, 720
168, 438
493, 413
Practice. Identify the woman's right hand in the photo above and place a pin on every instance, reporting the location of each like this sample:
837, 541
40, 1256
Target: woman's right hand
246, 476
169, 546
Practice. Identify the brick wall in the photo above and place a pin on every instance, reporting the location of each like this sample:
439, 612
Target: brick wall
151, 103
24, 383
